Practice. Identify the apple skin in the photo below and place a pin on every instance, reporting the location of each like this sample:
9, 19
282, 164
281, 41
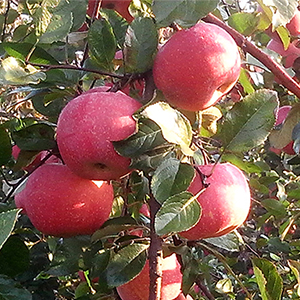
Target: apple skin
62, 204
197, 66
294, 25
281, 116
182, 297
225, 202
86, 128
138, 288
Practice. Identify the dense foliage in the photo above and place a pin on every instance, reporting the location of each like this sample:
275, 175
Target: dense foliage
52, 51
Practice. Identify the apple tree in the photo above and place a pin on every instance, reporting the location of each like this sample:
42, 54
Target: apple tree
149, 149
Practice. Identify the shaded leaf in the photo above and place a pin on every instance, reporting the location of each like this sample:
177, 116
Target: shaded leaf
102, 43
249, 122
170, 178
140, 45
126, 264
7, 223
148, 137
184, 12
5, 147
176, 128
269, 281
178, 213
228, 242
11, 290
274, 207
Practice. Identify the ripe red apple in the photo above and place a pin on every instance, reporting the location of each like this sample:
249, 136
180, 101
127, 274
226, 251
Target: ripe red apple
120, 6
294, 25
225, 202
62, 204
86, 128
182, 297
138, 288
197, 66
281, 116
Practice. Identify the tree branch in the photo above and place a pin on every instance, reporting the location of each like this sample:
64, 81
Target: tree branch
155, 255
285, 79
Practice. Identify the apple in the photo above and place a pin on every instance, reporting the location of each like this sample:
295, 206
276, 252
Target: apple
294, 25
120, 6
138, 288
86, 128
197, 66
225, 202
281, 116
182, 297
62, 204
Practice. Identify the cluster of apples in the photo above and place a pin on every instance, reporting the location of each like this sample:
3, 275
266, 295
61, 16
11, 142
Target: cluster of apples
194, 69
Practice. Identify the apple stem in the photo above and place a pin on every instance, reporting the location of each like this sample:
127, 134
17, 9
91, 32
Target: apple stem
246, 45
155, 254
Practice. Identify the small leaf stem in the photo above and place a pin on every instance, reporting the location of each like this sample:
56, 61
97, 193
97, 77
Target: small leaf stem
155, 254
246, 45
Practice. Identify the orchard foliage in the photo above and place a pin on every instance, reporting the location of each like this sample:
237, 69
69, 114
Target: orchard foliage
52, 51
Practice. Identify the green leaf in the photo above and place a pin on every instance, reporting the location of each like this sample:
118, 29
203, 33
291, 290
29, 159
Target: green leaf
102, 43
126, 264
148, 137
54, 21
78, 9
14, 257
295, 267
7, 222
268, 280
228, 242
140, 45
11, 290
5, 147
170, 178
184, 12
36, 137
245, 23
13, 71
178, 213
22, 50
176, 128
249, 122
275, 207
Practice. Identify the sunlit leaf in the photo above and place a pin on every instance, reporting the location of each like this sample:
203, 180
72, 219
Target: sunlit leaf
170, 178
178, 213
7, 223
245, 23
249, 122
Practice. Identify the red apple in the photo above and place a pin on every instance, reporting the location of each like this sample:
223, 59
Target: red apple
197, 66
281, 116
294, 25
182, 297
225, 202
138, 288
62, 204
86, 128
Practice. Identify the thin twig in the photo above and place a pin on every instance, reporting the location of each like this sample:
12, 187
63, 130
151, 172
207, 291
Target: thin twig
285, 79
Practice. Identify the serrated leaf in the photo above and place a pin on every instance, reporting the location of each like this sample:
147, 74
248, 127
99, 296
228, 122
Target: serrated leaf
7, 223
5, 147
178, 213
268, 280
243, 22
184, 12
36, 137
126, 264
279, 138
170, 178
13, 71
249, 122
140, 45
102, 43
11, 290
176, 128
148, 137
